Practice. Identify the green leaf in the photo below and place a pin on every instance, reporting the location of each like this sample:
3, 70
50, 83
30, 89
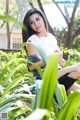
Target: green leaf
70, 107
61, 95
37, 67
7, 66
40, 50
10, 86
13, 98
9, 18
49, 83
12, 72
18, 111
38, 114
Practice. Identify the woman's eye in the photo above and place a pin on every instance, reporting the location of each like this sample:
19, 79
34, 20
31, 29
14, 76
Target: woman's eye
31, 23
37, 19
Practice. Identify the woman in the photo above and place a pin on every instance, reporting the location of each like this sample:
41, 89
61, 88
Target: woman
37, 31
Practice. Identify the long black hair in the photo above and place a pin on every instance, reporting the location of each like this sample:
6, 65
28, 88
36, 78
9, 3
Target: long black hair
27, 33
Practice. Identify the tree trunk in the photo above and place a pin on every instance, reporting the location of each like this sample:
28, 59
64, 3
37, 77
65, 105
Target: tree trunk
42, 9
7, 25
70, 35
30, 3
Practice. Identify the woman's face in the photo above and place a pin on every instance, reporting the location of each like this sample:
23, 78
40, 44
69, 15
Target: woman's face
37, 23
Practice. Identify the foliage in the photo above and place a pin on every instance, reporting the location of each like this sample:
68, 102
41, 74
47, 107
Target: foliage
76, 44
15, 82
73, 56
17, 9
56, 106
11, 19
19, 81
61, 33
76, 20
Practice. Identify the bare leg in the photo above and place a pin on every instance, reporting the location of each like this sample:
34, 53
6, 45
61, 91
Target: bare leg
75, 86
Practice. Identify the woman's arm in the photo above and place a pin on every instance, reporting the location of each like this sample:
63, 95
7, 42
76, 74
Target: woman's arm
33, 51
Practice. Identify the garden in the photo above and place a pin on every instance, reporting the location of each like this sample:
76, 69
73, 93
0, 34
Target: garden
21, 98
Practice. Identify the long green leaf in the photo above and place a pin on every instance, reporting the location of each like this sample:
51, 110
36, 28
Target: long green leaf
61, 95
18, 111
49, 83
13, 98
70, 107
9, 18
38, 114
8, 109
49, 79
10, 86
7, 66
40, 50
12, 72
37, 67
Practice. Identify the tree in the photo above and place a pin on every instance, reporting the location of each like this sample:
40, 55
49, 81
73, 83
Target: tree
76, 43
14, 9
7, 24
71, 34
42, 9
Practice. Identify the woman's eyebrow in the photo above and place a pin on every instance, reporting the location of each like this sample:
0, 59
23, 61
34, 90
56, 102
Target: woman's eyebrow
33, 20
37, 17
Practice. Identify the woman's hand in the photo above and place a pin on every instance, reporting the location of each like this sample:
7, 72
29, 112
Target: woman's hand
60, 54
61, 60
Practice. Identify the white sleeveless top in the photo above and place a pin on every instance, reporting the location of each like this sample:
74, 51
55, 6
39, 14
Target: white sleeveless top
49, 44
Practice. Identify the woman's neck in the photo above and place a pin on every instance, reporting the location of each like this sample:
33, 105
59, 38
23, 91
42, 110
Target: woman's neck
43, 34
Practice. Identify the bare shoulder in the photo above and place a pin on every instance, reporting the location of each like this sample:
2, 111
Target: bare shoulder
31, 49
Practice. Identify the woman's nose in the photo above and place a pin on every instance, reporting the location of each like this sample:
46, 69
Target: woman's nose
36, 23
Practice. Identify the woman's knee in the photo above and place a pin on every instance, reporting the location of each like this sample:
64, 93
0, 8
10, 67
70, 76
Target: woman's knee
75, 86
74, 75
